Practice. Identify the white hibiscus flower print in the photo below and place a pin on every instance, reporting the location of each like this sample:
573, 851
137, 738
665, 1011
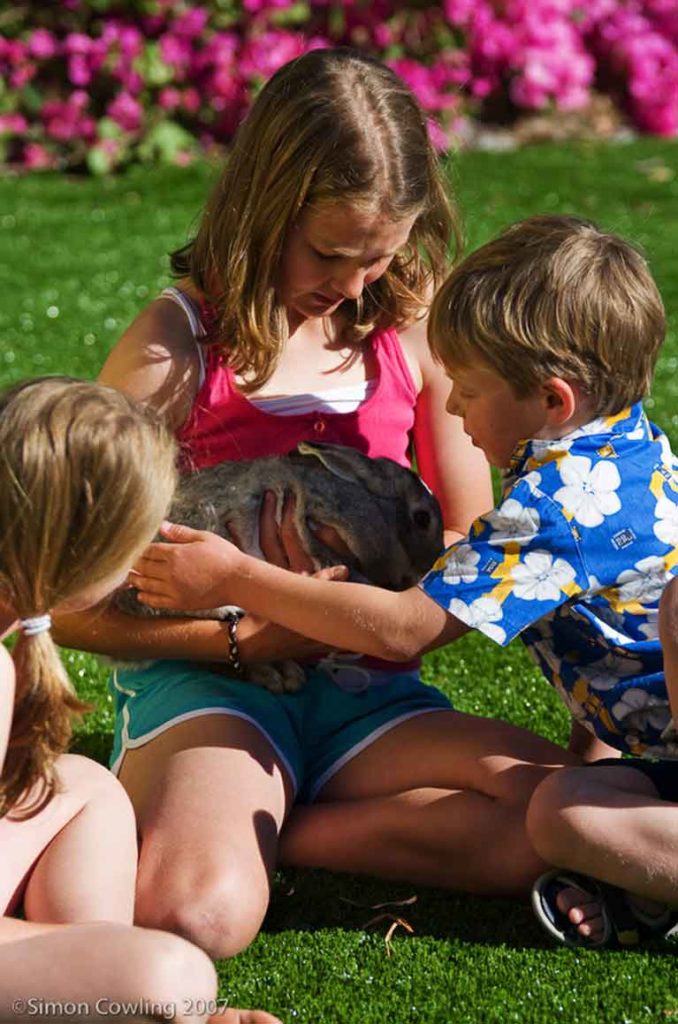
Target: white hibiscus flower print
533, 480
589, 491
541, 577
513, 522
665, 445
666, 527
606, 673
650, 628
638, 710
461, 566
480, 614
644, 583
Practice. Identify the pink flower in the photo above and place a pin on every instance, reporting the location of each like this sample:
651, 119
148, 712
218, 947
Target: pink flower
36, 157
192, 23
190, 100
126, 111
22, 75
77, 42
42, 44
264, 54
13, 124
79, 71
169, 98
175, 51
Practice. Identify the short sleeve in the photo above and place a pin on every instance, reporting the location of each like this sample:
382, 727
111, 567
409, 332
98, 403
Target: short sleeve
518, 564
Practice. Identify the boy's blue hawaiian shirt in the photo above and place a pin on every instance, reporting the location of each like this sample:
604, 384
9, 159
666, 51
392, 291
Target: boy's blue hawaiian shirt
575, 559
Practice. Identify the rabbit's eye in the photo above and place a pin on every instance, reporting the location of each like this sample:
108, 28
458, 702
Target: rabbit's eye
422, 518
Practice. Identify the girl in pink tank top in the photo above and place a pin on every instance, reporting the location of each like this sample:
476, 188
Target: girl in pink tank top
311, 272
225, 425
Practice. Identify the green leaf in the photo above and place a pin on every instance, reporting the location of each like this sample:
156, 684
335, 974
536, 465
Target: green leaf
99, 161
107, 128
297, 14
152, 68
164, 141
31, 99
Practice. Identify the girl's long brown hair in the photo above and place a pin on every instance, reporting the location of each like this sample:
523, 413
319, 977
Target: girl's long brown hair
86, 477
331, 126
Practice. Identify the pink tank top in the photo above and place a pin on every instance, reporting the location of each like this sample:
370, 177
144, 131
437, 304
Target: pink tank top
224, 425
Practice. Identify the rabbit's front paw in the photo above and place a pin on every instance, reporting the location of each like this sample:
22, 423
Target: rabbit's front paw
278, 677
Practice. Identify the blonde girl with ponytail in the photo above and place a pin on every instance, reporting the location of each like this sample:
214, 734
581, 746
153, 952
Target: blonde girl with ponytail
86, 477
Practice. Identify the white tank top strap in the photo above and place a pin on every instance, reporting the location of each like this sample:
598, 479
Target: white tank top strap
332, 400
192, 311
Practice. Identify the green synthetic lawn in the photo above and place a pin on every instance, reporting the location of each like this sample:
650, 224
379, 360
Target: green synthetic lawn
78, 259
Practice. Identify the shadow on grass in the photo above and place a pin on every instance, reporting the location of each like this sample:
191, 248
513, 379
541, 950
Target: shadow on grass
308, 901
316, 900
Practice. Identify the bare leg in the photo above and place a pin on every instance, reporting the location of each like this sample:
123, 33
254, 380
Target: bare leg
76, 859
427, 802
611, 824
92, 967
210, 797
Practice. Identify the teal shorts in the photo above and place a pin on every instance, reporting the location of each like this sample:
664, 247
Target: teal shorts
314, 731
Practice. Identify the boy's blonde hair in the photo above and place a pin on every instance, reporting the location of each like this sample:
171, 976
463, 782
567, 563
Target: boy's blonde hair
86, 477
554, 296
331, 126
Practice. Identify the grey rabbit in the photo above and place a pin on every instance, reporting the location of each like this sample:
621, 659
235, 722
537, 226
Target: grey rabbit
386, 516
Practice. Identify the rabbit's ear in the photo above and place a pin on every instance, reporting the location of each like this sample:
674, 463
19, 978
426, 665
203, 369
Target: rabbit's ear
346, 463
380, 477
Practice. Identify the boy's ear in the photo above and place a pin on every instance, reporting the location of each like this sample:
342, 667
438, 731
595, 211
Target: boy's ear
560, 399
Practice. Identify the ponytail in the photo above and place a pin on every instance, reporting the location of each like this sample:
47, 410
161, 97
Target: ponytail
44, 707
86, 478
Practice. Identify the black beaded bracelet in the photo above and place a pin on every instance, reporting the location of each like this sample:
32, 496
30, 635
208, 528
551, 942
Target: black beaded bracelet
232, 619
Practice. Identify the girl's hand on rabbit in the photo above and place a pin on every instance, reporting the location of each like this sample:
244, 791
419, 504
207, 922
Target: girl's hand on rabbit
281, 544
262, 640
192, 572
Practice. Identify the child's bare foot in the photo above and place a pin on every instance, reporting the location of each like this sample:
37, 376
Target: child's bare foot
233, 1016
582, 911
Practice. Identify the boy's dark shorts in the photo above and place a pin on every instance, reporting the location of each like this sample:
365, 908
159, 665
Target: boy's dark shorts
664, 774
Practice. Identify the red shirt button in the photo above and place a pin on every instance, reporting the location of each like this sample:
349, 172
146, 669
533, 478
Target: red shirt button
319, 426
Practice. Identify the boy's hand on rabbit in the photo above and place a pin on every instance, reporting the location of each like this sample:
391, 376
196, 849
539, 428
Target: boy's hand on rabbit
281, 544
190, 573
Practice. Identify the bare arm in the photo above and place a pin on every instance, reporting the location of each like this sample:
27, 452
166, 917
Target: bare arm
104, 630
7, 680
456, 472
588, 746
6, 701
155, 362
668, 635
200, 568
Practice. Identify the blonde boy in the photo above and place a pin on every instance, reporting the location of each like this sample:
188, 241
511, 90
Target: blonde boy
549, 335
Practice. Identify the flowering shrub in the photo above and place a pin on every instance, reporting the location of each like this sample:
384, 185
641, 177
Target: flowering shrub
97, 83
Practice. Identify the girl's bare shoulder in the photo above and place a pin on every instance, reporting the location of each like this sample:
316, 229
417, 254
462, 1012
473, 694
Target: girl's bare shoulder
156, 361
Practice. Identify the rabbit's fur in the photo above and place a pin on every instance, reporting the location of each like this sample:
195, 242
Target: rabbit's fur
385, 515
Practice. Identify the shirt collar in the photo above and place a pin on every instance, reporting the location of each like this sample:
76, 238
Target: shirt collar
631, 424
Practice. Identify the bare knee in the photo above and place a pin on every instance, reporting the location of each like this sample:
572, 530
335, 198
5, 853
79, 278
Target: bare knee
220, 912
163, 970
559, 813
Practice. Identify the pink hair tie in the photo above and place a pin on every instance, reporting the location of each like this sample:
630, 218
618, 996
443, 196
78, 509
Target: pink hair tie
35, 625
